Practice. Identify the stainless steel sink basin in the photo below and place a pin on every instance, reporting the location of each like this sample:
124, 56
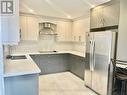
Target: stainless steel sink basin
17, 57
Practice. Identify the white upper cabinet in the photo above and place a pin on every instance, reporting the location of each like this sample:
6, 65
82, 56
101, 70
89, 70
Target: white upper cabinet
23, 27
10, 26
76, 30
64, 31
80, 27
97, 18
105, 15
29, 28
111, 14
33, 28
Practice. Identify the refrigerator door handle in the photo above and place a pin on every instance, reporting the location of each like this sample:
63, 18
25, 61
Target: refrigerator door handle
91, 55
94, 55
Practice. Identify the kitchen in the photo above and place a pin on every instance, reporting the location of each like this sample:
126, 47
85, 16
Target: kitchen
49, 46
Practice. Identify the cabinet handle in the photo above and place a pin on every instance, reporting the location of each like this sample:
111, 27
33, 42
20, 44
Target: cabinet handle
103, 22
74, 38
79, 38
20, 34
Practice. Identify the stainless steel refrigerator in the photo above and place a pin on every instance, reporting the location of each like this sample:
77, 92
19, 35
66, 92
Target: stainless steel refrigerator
100, 48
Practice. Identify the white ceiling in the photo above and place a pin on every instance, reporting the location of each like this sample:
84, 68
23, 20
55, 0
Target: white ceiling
59, 8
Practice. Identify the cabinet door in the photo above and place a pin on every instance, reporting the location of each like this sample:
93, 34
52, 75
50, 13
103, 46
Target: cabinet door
10, 26
111, 14
4, 29
13, 32
23, 27
96, 18
84, 27
76, 27
68, 27
22, 85
87, 26
60, 31
64, 30
77, 65
29, 28
93, 23
80, 27
33, 28
105, 15
52, 63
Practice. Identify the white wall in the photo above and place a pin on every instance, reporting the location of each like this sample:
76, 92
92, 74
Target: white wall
34, 46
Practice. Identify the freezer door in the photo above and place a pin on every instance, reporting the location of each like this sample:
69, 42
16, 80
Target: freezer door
89, 60
101, 62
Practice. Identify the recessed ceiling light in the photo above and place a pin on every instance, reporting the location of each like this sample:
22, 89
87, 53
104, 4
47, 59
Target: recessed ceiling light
69, 16
92, 6
31, 11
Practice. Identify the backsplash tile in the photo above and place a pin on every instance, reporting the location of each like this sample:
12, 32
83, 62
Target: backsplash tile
79, 46
46, 43
35, 46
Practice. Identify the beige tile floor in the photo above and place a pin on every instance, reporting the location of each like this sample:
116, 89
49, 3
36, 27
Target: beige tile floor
62, 84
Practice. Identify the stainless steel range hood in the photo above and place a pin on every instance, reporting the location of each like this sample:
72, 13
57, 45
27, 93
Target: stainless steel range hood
47, 28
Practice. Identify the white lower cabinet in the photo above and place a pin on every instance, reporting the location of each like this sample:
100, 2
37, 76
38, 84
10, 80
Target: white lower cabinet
22, 85
29, 28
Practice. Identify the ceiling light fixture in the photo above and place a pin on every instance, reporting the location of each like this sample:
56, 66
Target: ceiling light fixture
92, 6
31, 10
69, 16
